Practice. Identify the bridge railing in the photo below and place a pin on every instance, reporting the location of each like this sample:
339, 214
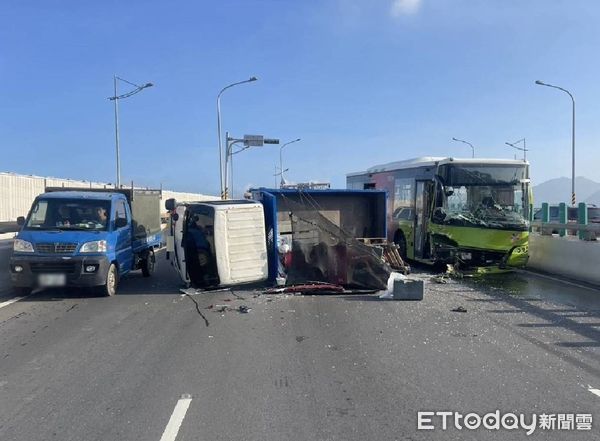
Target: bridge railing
579, 227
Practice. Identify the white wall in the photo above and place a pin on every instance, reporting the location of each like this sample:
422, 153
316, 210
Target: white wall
17, 192
565, 256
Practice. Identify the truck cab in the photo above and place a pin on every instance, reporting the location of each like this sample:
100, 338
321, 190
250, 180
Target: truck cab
84, 239
217, 243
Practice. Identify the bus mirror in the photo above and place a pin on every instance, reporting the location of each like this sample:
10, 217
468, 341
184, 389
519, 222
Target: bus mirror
21, 221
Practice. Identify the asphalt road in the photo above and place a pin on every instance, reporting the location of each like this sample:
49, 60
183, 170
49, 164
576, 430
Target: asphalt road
78, 367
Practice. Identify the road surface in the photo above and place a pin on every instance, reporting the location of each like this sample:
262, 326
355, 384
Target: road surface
153, 364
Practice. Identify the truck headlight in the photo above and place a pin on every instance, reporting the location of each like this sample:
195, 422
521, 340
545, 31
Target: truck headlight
22, 246
97, 246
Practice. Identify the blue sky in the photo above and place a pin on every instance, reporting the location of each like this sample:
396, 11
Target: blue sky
361, 82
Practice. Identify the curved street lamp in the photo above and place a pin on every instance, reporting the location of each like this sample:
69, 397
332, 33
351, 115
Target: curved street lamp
281, 159
249, 80
116, 97
523, 149
541, 83
468, 143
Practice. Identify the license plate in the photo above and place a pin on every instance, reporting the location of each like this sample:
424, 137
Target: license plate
52, 280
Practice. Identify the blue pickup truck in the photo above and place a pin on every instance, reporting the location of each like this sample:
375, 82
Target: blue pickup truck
86, 238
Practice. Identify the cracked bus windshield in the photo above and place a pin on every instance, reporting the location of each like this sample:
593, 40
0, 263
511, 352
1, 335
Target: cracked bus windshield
482, 196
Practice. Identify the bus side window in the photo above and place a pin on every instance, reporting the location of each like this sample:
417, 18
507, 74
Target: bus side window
369, 186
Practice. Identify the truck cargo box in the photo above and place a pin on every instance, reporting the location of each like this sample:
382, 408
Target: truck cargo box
348, 213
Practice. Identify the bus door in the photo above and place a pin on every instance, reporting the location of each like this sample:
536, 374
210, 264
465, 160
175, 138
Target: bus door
423, 195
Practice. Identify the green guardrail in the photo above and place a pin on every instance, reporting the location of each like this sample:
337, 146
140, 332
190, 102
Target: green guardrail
582, 228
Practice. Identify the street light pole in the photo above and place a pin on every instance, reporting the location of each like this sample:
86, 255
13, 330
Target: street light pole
117, 135
116, 99
249, 80
523, 149
541, 83
281, 159
468, 143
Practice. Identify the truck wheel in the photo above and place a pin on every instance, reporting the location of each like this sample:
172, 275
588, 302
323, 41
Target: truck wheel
109, 289
401, 242
148, 264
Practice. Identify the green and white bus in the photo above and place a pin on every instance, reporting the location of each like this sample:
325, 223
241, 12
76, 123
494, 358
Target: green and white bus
470, 212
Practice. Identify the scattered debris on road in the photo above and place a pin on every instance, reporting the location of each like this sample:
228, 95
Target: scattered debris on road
401, 287
197, 291
440, 279
308, 288
459, 309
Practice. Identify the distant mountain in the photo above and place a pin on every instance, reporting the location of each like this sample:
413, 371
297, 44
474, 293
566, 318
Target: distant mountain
594, 199
559, 190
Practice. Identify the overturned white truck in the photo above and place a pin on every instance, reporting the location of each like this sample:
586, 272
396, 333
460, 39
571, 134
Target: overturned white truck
298, 236
229, 237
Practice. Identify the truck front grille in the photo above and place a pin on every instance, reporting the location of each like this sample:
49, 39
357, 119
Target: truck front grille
53, 267
56, 248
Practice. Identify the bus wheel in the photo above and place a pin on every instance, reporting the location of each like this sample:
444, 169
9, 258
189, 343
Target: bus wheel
401, 242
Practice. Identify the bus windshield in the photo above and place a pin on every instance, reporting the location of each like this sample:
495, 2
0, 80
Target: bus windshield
484, 196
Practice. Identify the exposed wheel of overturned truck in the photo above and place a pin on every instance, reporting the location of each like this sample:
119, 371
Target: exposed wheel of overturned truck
109, 289
400, 240
148, 264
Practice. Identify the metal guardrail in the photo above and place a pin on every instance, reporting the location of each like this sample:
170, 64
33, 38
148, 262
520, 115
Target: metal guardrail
588, 232
8, 227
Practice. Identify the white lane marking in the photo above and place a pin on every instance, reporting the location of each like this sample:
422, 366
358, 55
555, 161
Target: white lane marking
11, 301
176, 419
594, 391
556, 279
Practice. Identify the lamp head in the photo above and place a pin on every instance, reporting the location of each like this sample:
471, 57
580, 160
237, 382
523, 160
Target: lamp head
147, 85
253, 79
541, 83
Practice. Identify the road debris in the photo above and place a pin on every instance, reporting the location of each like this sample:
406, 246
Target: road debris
400, 287
440, 279
308, 288
197, 291
243, 309
459, 309
389, 252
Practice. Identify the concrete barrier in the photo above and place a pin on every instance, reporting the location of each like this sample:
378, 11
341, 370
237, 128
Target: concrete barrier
565, 256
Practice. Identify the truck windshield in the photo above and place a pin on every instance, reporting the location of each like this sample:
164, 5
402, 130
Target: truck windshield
483, 196
69, 214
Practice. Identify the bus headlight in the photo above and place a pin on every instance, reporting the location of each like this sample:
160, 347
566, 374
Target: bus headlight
97, 246
22, 246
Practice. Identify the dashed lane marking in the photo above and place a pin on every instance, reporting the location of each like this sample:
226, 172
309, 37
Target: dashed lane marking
172, 429
594, 391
